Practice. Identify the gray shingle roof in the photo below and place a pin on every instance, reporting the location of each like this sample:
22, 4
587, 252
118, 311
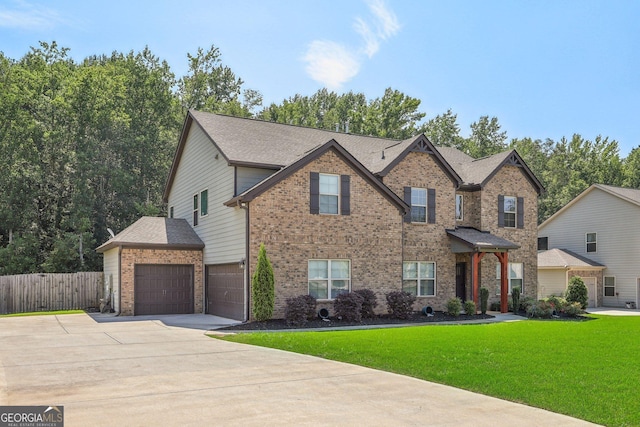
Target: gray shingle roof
554, 258
156, 231
631, 194
481, 239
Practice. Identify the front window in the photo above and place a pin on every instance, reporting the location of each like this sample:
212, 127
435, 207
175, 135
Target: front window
591, 242
329, 192
329, 278
609, 286
204, 202
459, 207
419, 278
510, 204
418, 205
543, 243
515, 276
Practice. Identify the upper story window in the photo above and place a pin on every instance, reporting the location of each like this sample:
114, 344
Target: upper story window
200, 206
195, 209
510, 211
329, 194
591, 241
329, 277
459, 207
543, 243
515, 270
423, 205
419, 278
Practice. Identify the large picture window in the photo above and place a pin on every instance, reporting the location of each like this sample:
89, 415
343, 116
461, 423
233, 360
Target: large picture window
515, 271
329, 277
329, 194
419, 278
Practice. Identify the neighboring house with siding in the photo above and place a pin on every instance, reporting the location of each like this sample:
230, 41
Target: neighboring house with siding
339, 212
595, 236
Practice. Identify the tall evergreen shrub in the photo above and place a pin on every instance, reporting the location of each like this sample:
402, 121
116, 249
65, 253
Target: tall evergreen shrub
577, 291
262, 287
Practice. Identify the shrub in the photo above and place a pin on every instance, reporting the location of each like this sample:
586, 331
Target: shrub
526, 303
573, 309
541, 309
348, 306
470, 307
577, 291
262, 287
369, 302
515, 299
299, 310
454, 305
400, 304
495, 306
484, 299
558, 303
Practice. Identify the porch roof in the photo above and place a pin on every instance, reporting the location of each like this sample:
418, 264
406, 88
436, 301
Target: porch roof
563, 258
467, 239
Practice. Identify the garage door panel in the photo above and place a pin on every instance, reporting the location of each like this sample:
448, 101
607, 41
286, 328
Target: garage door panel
225, 291
163, 289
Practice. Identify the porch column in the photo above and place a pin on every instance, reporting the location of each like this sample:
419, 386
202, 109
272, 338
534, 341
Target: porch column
476, 257
503, 257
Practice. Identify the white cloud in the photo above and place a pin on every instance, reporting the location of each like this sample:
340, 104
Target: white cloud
28, 16
331, 63
371, 40
386, 21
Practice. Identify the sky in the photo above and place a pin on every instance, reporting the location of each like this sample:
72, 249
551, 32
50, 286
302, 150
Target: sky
544, 68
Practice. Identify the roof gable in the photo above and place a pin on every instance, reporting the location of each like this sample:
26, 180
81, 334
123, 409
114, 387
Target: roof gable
307, 158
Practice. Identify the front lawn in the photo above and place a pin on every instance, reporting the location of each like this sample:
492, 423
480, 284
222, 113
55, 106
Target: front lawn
588, 370
43, 313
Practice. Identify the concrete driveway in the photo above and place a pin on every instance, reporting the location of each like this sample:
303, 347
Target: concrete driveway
144, 372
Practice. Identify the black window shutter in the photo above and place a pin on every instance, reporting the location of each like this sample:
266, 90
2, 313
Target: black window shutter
431, 205
500, 210
520, 212
314, 192
407, 200
345, 195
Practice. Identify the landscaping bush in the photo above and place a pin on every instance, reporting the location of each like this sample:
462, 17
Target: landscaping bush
484, 299
400, 304
262, 287
577, 291
454, 305
495, 306
526, 303
541, 309
573, 309
558, 303
470, 307
348, 306
515, 299
369, 303
298, 310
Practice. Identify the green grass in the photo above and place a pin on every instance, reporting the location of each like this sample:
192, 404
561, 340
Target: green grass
588, 370
42, 313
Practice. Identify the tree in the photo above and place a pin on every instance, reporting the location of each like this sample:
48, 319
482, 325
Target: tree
577, 291
486, 138
631, 169
444, 130
262, 287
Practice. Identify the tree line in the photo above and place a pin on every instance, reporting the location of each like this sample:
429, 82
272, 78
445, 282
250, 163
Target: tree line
86, 146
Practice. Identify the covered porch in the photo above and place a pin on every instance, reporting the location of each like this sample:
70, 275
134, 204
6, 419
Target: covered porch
477, 244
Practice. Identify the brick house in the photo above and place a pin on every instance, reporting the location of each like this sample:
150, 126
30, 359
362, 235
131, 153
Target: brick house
340, 212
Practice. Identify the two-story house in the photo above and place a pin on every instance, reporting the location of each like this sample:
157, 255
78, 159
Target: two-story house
339, 212
595, 236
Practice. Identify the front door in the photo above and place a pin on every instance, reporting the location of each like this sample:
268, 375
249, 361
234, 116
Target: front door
461, 280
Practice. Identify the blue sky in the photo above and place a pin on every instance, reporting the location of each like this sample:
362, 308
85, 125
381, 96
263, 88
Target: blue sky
546, 69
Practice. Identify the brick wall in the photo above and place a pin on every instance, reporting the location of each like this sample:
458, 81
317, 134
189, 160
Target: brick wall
598, 274
370, 237
130, 257
471, 209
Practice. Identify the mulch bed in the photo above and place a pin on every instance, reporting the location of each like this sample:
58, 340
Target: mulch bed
416, 318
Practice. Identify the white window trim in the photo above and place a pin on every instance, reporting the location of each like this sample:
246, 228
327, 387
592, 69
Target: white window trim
586, 243
200, 202
604, 287
329, 278
435, 286
499, 274
320, 194
426, 206
461, 218
515, 212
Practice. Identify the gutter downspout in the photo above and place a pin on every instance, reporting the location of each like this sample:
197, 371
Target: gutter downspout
247, 277
119, 280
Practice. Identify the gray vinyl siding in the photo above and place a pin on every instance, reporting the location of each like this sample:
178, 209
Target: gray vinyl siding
551, 282
617, 224
248, 177
112, 276
223, 229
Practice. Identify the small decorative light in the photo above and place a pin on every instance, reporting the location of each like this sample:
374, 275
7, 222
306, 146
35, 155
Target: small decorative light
241, 264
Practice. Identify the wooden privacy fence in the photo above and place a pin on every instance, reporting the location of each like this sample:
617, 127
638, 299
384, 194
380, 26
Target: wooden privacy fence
25, 293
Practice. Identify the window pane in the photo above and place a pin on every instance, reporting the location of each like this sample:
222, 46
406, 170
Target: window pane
328, 204
204, 202
195, 202
609, 281
339, 287
328, 184
591, 237
339, 269
516, 283
509, 219
591, 247
419, 196
427, 287
410, 270
510, 204
418, 214
515, 270
458, 206
318, 289
410, 286
318, 270
426, 270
